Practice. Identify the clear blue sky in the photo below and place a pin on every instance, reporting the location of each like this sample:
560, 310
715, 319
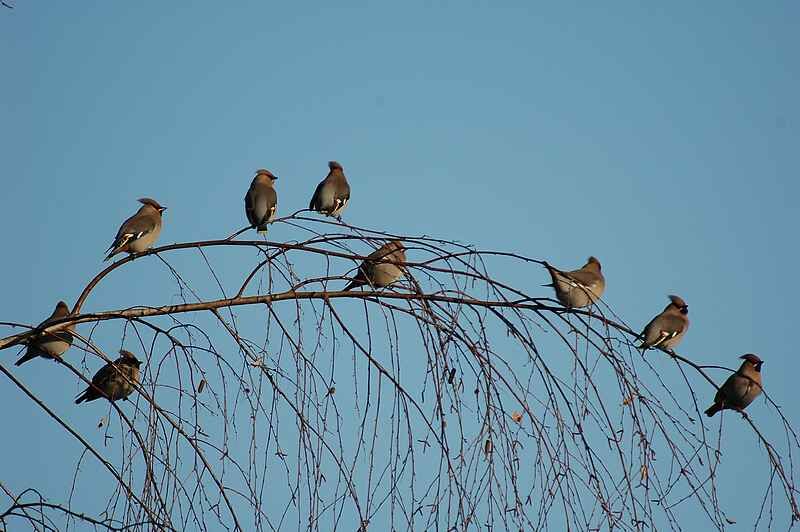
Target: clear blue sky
663, 140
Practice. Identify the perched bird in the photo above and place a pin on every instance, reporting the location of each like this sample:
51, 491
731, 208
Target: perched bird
667, 329
49, 345
332, 194
375, 271
261, 200
741, 388
113, 381
140, 231
579, 288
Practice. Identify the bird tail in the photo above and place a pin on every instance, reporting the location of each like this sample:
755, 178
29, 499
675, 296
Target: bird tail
114, 251
118, 245
262, 229
642, 343
30, 354
553, 275
713, 409
82, 397
350, 286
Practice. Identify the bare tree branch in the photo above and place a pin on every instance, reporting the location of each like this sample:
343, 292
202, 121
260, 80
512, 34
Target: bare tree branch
452, 400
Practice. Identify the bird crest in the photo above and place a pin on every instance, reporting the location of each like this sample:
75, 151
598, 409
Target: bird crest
129, 358
153, 203
753, 359
264, 171
679, 303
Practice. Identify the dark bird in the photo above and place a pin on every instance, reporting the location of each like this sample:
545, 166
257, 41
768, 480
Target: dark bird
114, 380
667, 329
578, 288
140, 231
376, 271
261, 200
741, 388
332, 194
49, 345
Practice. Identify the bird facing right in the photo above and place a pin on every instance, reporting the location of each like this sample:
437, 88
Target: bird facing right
113, 381
376, 271
332, 194
261, 200
49, 345
667, 329
140, 231
578, 288
741, 388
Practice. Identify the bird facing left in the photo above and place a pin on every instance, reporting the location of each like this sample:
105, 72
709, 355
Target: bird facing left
49, 345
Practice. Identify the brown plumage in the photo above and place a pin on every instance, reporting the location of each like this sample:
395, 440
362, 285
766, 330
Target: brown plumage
578, 288
332, 194
113, 381
741, 388
139, 232
49, 345
261, 200
668, 328
375, 271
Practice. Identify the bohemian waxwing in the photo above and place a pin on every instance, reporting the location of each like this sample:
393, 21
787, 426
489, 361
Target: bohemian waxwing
113, 381
261, 200
332, 194
140, 231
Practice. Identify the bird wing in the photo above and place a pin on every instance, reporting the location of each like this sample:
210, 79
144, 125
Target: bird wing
341, 196
343, 190
104, 375
366, 270
314, 203
670, 324
249, 205
660, 329
383, 252
99, 384
259, 203
583, 278
134, 228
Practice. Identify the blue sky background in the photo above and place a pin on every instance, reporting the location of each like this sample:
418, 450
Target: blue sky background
663, 140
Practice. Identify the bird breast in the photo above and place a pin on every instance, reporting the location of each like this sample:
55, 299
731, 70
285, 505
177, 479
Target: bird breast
743, 391
327, 200
118, 387
327, 197
383, 274
54, 347
673, 341
575, 295
146, 241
